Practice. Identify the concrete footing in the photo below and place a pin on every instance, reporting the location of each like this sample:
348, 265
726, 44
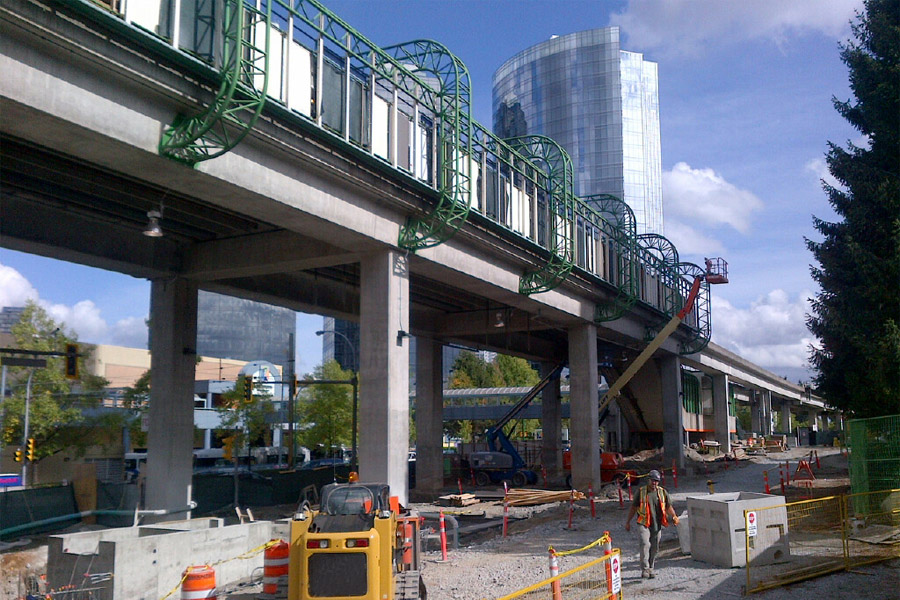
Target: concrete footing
147, 562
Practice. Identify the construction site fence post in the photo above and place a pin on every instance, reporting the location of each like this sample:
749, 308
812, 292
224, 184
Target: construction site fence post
555, 585
443, 538
790, 542
591, 495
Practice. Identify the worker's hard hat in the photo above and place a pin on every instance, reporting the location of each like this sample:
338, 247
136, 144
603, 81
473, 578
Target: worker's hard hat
353, 477
654, 475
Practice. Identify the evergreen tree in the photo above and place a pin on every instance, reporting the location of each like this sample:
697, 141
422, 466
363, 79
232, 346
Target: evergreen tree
856, 316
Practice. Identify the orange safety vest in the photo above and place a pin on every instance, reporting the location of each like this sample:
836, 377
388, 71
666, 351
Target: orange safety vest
643, 515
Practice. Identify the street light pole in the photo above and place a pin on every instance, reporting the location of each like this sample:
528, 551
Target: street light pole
355, 382
25, 426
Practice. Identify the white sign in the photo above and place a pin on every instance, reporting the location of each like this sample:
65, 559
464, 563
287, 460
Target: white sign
751, 523
615, 567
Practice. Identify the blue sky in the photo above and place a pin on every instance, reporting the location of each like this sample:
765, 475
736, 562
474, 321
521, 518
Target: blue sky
745, 112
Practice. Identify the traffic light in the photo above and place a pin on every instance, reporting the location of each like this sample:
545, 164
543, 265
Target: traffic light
248, 389
18, 455
228, 447
71, 361
29, 449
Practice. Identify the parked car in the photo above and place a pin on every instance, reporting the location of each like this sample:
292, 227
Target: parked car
324, 463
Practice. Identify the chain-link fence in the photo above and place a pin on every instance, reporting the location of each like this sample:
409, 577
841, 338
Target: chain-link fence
599, 579
874, 454
786, 543
872, 527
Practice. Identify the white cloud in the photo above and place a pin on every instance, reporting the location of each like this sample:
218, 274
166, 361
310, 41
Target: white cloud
819, 168
688, 27
130, 332
703, 196
691, 242
771, 332
84, 317
15, 290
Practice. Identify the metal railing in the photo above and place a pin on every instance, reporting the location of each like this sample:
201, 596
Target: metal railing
406, 108
791, 542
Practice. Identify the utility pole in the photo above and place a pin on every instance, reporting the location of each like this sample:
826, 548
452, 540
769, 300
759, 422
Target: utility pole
292, 387
26, 424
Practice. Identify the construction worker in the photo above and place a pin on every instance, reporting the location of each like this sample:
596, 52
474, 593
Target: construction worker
652, 506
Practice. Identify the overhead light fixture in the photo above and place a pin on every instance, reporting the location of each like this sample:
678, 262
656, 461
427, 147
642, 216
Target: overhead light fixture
153, 229
498, 319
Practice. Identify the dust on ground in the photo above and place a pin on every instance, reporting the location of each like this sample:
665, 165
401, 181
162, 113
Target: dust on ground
487, 565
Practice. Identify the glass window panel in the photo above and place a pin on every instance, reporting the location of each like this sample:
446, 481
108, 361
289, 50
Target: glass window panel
333, 97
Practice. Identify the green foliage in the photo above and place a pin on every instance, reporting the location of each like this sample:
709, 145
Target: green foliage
243, 413
470, 370
856, 316
55, 413
326, 410
137, 397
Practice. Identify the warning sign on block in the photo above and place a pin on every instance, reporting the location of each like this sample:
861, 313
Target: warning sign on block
751, 523
616, 569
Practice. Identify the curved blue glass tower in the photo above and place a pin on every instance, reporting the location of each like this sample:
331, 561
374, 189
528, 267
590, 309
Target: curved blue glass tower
601, 104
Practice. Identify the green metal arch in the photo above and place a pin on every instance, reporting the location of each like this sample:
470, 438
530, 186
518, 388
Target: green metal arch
660, 257
699, 319
546, 153
453, 108
617, 212
661, 247
238, 103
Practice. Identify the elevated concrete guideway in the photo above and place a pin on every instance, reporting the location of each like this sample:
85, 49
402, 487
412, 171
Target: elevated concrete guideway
297, 217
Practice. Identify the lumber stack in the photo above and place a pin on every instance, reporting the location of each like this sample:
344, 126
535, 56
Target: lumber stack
523, 497
459, 500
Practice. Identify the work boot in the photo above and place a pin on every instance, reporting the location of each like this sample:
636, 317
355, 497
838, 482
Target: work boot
645, 574
651, 574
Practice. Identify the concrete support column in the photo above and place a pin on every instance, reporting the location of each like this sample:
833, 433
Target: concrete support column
814, 420
786, 418
672, 412
384, 371
720, 411
756, 412
429, 416
551, 425
584, 421
170, 436
768, 420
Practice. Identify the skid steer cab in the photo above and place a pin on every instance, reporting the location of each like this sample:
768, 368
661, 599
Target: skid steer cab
359, 545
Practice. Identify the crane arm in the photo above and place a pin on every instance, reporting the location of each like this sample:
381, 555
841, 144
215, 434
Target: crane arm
652, 347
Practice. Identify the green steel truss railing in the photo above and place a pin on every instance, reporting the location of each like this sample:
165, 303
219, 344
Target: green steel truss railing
452, 106
659, 266
618, 238
241, 95
545, 153
699, 319
523, 185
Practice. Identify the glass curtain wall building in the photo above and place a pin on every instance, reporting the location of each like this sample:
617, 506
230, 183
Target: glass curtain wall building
230, 327
601, 104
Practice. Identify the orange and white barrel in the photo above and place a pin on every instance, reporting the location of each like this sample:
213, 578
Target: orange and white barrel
276, 559
199, 583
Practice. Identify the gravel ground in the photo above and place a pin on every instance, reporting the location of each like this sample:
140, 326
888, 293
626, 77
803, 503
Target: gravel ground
500, 566
487, 565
